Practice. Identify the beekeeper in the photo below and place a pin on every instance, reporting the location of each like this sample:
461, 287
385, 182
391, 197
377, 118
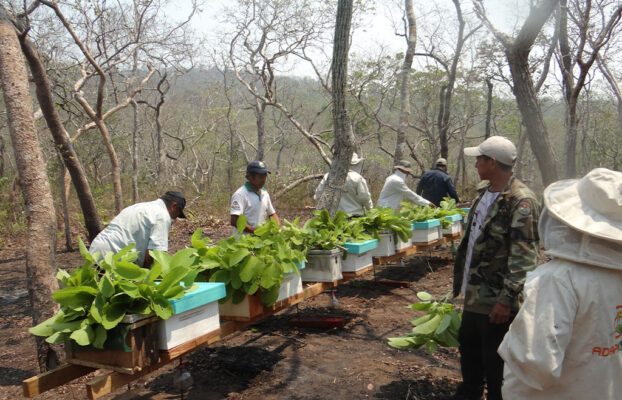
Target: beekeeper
395, 189
355, 196
566, 341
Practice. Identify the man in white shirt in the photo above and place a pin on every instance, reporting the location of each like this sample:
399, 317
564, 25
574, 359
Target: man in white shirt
395, 189
145, 224
252, 199
355, 196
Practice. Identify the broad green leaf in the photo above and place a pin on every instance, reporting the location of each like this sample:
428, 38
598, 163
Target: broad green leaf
62, 275
221, 276
97, 307
130, 289
44, 328
100, 337
130, 271
238, 256
75, 296
173, 291
429, 326
124, 251
188, 281
161, 306
174, 276
196, 240
421, 320
84, 251
270, 276
251, 287
67, 326
250, 268
106, 287
184, 258
154, 272
84, 336
241, 223
236, 282
238, 296
444, 324
269, 296
430, 347
425, 296
163, 259
420, 306
112, 314
58, 337
108, 258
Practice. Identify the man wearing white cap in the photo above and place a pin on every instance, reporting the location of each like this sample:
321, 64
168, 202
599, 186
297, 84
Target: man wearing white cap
355, 196
395, 189
436, 184
566, 341
498, 248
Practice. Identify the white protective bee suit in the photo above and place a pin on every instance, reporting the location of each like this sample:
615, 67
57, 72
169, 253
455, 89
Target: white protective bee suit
566, 341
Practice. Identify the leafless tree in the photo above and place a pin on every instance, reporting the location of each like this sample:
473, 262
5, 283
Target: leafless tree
344, 138
41, 236
517, 52
588, 17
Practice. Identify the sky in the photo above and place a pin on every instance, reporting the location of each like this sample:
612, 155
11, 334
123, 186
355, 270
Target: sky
379, 31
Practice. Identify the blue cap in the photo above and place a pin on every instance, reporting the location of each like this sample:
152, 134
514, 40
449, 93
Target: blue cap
257, 167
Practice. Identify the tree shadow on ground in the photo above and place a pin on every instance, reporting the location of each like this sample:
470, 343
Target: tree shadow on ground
13, 376
218, 371
420, 389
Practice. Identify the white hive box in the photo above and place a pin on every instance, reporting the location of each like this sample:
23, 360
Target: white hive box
322, 266
427, 231
196, 314
358, 255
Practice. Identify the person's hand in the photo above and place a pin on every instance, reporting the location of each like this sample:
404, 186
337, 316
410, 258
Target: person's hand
500, 314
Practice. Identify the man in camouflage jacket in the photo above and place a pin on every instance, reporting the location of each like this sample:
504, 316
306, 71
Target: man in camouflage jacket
498, 248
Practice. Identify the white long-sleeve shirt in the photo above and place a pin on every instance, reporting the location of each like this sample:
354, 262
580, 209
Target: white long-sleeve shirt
355, 197
395, 191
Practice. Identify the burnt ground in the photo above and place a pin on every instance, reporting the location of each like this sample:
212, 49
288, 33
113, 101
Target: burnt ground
271, 359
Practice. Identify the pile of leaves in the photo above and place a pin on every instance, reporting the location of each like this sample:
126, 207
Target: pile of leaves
248, 263
381, 219
324, 233
438, 327
93, 300
415, 213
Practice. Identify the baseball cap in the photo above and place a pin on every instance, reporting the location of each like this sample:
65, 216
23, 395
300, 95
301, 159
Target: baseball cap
404, 166
441, 161
178, 198
257, 167
497, 147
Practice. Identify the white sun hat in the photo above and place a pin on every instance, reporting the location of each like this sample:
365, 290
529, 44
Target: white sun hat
497, 147
355, 159
592, 204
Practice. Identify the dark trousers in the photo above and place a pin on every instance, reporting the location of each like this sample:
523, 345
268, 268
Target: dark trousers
479, 361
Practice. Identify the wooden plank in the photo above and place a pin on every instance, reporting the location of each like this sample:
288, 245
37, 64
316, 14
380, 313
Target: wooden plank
38, 384
191, 345
351, 275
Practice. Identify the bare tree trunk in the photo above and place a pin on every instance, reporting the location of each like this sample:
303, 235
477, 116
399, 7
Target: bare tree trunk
447, 90
400, 146
488, 108
344, 140
63, 200
260, 115
41, 236
134, 152
517, 52
2, 148
61, 139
